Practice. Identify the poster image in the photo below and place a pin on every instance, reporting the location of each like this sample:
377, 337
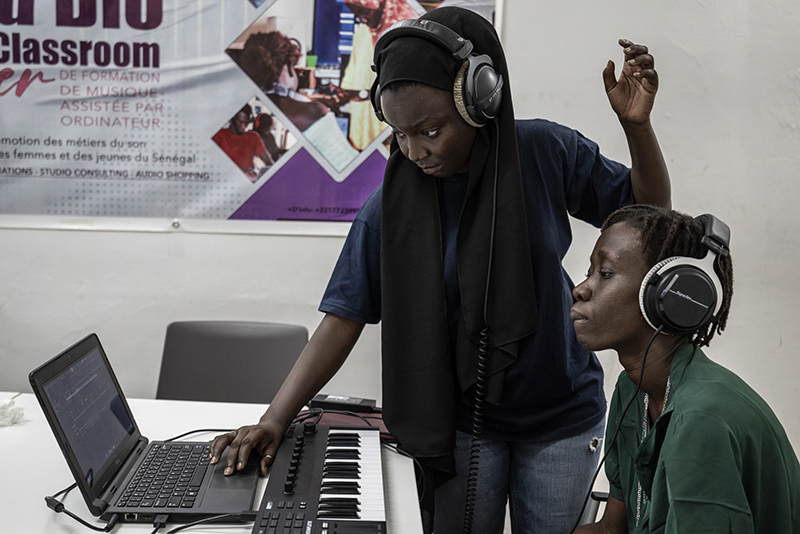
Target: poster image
254, 139
222, 109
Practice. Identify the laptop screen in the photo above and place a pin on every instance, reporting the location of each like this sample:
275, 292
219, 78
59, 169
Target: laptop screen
90, 411
89, 416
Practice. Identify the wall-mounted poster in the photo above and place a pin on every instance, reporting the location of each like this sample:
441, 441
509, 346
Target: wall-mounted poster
226, 109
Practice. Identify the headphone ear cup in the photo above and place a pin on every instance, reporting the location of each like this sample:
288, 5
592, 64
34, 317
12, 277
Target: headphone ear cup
679, 295
482, 89
375, 99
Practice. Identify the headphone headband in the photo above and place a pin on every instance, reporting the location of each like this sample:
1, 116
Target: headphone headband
439, 33
716, 234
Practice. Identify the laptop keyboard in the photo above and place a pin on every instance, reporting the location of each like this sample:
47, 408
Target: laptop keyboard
169, 477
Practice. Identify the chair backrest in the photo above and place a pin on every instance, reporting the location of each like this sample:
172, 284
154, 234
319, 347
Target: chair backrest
228, 361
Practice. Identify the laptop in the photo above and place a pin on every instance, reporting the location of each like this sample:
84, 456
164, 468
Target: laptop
107, 454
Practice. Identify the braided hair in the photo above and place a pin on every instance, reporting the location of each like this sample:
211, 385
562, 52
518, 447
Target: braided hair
666, 233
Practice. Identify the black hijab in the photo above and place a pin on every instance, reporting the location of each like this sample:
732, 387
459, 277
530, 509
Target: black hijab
422, 380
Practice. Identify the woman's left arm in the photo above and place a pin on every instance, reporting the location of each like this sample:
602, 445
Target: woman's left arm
632, 98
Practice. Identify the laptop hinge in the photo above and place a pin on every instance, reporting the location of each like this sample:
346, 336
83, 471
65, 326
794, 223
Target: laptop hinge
125, 471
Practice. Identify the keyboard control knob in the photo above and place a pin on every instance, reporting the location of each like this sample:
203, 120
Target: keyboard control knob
310, 427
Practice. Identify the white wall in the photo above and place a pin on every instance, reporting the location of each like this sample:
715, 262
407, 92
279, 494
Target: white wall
727, 116
57, 286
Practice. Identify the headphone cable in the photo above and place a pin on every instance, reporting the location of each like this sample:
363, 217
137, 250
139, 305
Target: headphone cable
483, 360
613, 440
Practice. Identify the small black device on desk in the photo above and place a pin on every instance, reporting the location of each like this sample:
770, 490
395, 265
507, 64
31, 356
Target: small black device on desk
339, 402
325, 480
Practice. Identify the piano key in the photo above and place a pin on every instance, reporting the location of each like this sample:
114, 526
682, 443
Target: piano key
339, 477
340, 454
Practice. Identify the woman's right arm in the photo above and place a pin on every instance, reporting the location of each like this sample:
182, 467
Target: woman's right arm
326, 351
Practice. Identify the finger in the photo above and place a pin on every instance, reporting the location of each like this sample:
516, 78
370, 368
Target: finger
242, 452
632, 49
645, 61
218, 446
267, 448
609, 79
268, 459
648, 75
264, 466
230, 461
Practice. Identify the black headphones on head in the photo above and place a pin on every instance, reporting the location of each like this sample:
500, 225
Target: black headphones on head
681, 294
477, 89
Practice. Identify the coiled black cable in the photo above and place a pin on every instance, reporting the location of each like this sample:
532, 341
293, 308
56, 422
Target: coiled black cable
477, 423
483, 365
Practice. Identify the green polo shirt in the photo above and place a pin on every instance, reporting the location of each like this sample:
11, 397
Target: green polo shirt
717, 460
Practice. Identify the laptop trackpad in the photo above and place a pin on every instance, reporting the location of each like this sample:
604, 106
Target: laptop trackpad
233, 490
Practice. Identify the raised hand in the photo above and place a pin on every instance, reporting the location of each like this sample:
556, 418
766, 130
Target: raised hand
632, 96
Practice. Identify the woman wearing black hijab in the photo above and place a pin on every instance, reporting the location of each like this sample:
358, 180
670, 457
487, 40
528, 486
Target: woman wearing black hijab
458, 254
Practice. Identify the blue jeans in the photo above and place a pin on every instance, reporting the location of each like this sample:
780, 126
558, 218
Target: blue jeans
544, 484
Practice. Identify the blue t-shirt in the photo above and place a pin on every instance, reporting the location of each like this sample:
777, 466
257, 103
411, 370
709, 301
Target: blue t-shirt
555, 388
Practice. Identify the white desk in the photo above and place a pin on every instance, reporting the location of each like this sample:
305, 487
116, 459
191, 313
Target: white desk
32, 466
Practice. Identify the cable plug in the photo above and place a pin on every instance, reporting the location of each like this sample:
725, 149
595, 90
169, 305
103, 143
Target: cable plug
54, 504
160, 521
247, 515
112, 523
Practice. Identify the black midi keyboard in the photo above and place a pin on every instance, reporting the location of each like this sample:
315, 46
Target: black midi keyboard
325, 480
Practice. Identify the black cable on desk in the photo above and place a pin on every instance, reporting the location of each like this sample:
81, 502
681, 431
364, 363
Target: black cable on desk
58, 507
243, 517
159, 522
198, 431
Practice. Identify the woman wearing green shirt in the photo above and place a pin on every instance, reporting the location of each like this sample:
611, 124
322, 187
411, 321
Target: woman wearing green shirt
696, 449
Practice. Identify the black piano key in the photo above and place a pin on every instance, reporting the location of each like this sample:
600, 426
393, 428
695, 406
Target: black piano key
352, 468
343, 454
342, 435
352, 488
339, 500
323, 505
337, 463
340, 483
330, 514
338, 505
347, 441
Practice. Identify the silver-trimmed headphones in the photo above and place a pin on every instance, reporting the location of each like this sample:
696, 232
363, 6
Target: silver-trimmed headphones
478, 86
681, 294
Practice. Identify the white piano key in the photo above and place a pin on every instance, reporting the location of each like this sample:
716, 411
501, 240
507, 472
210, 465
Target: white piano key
371, 498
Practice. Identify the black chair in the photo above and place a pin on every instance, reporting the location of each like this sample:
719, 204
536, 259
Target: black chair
228, 361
